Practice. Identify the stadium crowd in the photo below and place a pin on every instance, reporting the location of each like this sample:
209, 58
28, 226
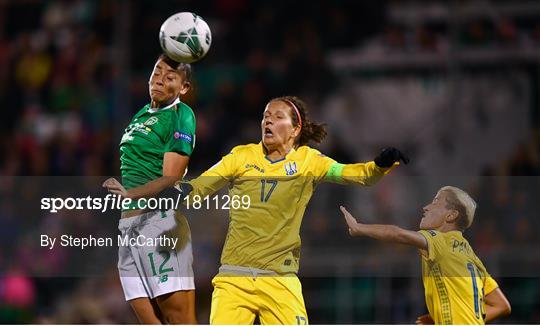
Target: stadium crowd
67, 95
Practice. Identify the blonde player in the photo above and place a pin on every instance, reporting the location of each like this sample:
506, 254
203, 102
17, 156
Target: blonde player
458, 289
261, 254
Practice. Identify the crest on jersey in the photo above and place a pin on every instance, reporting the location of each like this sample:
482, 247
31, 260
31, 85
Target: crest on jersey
150, 121
290, 168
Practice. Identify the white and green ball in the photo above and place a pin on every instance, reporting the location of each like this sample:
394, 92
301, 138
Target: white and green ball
185, 37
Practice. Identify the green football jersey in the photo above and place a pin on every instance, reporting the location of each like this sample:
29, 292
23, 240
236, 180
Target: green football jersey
149, 136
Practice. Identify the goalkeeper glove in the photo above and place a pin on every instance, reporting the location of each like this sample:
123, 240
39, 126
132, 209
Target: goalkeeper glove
389, 156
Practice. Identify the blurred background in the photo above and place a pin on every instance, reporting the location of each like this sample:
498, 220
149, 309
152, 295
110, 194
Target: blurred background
454, 84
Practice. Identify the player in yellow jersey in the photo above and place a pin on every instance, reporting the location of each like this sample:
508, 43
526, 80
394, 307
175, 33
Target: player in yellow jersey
458, 288
261, 254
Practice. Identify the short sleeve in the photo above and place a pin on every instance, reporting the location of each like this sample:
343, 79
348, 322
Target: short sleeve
182, 136
435, 243
489, 285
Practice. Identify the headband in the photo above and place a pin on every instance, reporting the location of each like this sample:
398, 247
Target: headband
295, 110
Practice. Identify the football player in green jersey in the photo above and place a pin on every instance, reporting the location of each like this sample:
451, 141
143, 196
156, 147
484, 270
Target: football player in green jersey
155, 149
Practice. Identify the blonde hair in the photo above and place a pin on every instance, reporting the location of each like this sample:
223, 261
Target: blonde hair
463, 203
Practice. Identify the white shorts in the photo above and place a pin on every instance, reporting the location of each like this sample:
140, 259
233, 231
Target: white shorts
150, 263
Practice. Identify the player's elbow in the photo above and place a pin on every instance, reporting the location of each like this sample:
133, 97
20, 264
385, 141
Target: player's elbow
504, 305
501, 310
498, 304
506, 309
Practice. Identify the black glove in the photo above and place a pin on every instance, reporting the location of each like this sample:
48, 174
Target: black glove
389, 156
178, 193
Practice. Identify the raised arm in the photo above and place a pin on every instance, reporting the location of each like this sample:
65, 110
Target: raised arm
212, 180
390, 233
218, 176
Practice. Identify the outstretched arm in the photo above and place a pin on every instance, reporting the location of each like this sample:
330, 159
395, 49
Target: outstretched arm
206, 184
212, 180
496, 305
368, 173
215, 178
174, 166
390, 233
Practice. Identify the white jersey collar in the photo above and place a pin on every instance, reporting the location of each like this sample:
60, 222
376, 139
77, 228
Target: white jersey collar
153, 110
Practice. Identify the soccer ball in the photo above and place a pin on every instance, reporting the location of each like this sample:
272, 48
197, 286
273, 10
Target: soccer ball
185, 37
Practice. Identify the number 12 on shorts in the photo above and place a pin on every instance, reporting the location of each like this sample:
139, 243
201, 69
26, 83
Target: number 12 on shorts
162, 268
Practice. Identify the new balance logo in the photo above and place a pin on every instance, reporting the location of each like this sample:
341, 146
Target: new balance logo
163, 278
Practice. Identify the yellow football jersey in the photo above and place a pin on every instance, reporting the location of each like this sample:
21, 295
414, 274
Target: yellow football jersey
455, 280
267, 234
